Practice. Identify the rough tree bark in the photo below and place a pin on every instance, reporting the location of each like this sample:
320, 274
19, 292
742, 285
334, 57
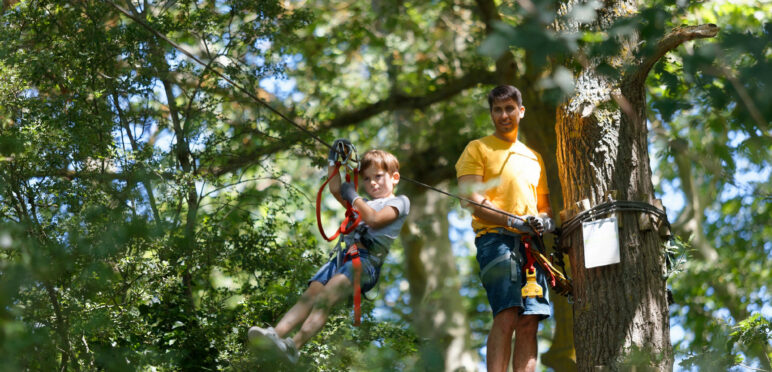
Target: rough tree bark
619, 309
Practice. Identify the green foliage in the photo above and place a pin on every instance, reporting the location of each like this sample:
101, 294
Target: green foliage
711, 128
149, 213
755, 330
678, 253
722, 353
121, 249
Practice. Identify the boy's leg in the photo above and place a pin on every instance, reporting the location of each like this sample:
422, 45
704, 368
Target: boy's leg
299, 312
336, 289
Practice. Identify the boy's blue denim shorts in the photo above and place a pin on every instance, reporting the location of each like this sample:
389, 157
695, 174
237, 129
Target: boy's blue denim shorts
503, 292
371, 270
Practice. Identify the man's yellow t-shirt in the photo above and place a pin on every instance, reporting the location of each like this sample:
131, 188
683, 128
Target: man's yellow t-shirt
513, 173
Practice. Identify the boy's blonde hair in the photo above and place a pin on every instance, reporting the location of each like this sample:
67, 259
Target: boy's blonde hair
381, 159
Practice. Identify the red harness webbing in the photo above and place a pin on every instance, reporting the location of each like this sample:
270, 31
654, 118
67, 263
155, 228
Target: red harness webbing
350, 222
353, 255
352, 216
530, 260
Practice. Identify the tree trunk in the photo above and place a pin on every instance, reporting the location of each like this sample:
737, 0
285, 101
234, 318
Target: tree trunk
621, 309
430, 268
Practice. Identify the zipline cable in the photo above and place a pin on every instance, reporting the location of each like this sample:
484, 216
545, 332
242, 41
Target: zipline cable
461, 198
277, 112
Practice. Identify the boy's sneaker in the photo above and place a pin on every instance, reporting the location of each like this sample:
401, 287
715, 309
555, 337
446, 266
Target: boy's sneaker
290, 350
257, 332
286, 345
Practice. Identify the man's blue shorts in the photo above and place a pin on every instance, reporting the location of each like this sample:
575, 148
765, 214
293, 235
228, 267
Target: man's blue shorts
503, 292
371, 270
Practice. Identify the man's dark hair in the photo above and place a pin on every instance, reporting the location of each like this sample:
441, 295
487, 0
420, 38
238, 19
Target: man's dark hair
502, 92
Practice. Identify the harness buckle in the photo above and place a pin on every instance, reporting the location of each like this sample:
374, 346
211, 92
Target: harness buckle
531, 287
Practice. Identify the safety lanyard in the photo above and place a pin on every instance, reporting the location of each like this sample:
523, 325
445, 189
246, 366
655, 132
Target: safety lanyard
352, 216
353, 254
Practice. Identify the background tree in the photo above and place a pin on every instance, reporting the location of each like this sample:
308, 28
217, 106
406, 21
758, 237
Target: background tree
620, 309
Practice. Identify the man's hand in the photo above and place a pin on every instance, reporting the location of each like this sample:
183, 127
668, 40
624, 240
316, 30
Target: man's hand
339, 149
541, 223
348, 192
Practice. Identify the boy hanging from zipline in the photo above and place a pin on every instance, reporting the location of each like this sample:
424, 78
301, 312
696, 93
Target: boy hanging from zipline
361, 250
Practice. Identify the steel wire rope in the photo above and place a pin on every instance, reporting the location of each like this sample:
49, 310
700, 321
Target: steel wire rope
611, 207
279, 113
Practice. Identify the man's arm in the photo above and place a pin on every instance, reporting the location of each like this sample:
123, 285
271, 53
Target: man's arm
468, 182
543, 222
543, 205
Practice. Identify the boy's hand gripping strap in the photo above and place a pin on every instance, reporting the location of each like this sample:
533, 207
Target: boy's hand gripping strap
352, 217
353, 255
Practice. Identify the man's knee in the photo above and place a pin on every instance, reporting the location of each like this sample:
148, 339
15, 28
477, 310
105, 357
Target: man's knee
527, 324
506, 320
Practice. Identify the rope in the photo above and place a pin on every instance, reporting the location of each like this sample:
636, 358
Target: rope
277, 112
352, 217
461, 198
563, 286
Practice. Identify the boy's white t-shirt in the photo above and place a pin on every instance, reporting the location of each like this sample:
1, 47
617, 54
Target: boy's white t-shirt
380, 240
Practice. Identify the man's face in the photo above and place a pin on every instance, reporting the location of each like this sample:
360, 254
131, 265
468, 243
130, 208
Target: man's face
506, 116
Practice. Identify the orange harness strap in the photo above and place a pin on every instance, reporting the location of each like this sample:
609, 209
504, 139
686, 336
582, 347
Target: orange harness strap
352, 216
349, 223
530, 260
353, 255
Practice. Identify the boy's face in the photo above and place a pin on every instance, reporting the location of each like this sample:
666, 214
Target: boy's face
506, 115
378, 182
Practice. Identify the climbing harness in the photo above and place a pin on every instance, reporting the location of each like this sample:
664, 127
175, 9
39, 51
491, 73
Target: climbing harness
346, 156
558, 281
534, 251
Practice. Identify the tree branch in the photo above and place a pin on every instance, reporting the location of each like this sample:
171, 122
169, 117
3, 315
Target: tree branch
135, 147
745, 97
255, 155
398, 100
506, 68
394, 101
672, 40
488, 14
694, 227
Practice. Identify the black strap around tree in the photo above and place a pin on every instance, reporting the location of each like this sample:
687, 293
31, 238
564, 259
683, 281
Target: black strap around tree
612, 206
